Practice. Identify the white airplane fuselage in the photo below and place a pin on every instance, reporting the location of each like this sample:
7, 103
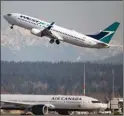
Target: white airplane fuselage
65, 35
63, 102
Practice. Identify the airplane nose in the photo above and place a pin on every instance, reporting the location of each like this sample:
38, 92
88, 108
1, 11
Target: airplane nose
5, 17
104, 106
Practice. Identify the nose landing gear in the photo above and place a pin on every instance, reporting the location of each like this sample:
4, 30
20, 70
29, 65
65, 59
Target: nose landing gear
52, 41
11, 27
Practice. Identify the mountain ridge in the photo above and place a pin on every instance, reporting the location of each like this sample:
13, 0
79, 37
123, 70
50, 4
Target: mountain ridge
117, 59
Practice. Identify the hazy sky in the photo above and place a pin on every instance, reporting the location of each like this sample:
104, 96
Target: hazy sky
87, 17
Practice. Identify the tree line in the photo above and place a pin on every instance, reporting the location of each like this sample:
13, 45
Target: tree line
60, 77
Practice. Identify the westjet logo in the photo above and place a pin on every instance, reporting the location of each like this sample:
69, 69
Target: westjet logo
108, 33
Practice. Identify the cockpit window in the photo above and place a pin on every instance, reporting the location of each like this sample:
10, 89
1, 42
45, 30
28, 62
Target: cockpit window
9, 14
96, 102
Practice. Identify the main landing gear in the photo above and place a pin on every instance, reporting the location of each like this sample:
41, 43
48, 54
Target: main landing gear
11, 27
52, 41
57, 41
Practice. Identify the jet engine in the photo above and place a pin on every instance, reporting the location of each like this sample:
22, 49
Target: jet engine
36, 32
39, 109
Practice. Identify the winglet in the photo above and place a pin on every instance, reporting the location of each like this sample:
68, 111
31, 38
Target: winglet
50, 26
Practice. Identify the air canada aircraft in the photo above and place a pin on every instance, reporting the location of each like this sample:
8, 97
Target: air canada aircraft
41, 104
56, 33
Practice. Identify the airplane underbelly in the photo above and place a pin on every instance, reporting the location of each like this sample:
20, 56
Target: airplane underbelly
88, 106
73, 105
67, 105
75, 41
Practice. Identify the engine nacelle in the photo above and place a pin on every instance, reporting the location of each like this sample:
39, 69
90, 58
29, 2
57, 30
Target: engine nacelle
36, 32
39, 109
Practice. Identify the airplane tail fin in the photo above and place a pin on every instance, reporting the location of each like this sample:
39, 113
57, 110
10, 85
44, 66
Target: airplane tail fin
107, 34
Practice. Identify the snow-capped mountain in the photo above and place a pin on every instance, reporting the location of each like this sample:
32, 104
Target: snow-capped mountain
117, 59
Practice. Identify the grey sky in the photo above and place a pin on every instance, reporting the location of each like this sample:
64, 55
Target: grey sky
85, 17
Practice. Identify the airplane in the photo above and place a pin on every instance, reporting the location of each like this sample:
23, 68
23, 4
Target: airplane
41, 104
56, 33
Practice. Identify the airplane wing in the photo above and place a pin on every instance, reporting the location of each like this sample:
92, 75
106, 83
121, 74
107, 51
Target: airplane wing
56, 36
47, 32
27, 104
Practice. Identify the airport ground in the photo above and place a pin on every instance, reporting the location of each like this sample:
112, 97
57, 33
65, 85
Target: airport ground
17, 112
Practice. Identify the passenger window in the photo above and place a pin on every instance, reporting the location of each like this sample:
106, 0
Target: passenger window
24, 17
27, 18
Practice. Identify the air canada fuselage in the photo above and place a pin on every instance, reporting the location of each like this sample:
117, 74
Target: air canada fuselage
56, 102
